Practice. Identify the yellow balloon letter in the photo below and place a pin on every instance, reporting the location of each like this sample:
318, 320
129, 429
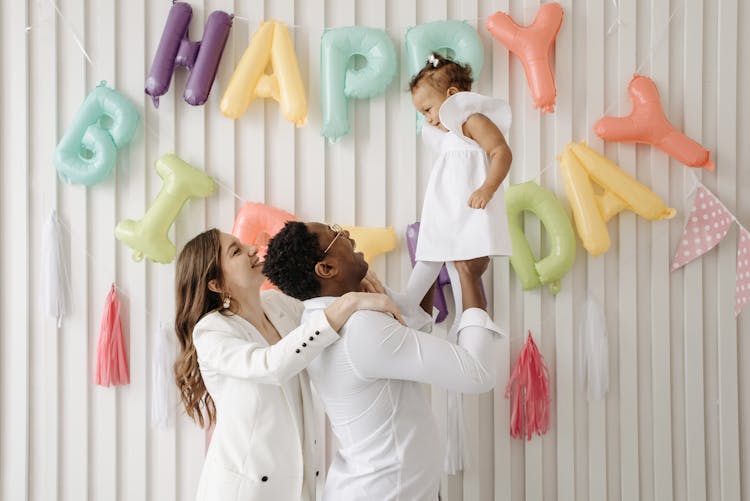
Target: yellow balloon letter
580, 165
270, 44
148, 237
372, 241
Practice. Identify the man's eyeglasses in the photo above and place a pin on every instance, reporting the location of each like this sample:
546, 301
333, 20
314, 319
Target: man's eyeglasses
338, 230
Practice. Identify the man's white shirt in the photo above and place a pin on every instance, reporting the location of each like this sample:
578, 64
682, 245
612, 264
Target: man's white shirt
369, 384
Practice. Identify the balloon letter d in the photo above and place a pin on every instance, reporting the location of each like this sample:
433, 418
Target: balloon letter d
148, 237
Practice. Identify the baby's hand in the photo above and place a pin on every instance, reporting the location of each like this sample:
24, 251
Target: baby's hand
480, 198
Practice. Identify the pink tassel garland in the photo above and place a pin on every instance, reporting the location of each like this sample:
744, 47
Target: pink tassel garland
528, 390
111, 359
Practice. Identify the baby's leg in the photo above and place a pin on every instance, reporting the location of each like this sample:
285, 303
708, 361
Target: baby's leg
422, 277
457, 296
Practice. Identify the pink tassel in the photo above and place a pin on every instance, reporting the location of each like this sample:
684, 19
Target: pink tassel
528, 390
111, 359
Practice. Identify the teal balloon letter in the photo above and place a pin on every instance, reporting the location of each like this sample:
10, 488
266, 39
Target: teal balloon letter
452, 39
341, 81
562, 242
87, 151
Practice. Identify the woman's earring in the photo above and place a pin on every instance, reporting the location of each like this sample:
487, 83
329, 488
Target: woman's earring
227, 300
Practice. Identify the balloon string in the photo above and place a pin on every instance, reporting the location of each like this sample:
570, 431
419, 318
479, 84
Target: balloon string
648, 56
72, 32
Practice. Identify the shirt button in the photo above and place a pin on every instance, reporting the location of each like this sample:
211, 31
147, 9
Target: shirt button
264, 478
311, 338
304, 344
317, 473
317, 333
296, 351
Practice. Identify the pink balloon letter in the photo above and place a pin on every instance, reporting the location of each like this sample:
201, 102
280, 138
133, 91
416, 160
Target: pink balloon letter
648, 124
532, 45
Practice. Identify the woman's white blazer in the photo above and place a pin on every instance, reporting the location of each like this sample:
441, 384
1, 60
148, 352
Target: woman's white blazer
255, 452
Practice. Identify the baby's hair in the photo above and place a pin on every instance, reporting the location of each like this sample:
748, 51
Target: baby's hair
443, 73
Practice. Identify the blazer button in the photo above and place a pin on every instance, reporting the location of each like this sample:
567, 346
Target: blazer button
304, 344
264, 478
296, 351
311, 338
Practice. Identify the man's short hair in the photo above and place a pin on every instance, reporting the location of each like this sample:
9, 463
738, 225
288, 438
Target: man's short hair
291, 259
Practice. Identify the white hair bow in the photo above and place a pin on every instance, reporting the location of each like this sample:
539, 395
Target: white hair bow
433, 60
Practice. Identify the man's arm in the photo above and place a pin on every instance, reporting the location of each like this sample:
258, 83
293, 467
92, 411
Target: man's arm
380, 347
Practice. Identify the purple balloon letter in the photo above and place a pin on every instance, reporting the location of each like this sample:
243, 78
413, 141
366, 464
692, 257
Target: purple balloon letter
201, 57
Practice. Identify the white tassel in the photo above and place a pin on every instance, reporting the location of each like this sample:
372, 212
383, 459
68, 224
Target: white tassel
593, 350
55, 283
163, 397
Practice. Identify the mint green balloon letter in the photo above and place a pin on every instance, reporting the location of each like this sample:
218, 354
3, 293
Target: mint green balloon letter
340, 80
87, 151
455, 40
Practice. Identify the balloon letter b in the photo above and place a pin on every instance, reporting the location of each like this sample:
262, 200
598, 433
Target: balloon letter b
562, 241
532, 45
148, 237
87, 151
201, 57
271, 43
341, 80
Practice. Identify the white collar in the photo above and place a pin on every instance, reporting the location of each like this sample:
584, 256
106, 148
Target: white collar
319, 303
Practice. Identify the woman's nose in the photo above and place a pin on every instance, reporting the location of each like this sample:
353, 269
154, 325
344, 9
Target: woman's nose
252, 250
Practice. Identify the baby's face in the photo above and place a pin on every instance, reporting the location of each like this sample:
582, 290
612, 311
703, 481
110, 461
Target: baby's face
427, 100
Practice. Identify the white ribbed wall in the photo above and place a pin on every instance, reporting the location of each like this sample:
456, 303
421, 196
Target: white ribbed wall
676, 422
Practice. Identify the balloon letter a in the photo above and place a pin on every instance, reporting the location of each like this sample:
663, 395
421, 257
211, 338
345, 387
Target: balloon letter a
532, 45
271, 46
648, 124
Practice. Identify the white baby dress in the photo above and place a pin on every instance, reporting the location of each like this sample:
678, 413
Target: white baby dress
450, 230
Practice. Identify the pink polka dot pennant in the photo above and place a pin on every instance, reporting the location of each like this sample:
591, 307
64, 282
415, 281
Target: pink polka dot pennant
707, 225
742, 295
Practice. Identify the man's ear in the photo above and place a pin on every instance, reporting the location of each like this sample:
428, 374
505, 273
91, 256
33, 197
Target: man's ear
326, 269
213, 285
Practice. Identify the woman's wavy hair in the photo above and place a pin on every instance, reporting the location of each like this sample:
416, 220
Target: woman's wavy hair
443, 73
199, 262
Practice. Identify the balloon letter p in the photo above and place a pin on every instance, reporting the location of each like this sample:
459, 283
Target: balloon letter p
340, 79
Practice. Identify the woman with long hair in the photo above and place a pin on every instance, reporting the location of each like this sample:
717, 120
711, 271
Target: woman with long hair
241, 368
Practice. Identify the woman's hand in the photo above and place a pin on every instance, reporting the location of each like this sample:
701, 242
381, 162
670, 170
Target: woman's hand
371, 283
340, 310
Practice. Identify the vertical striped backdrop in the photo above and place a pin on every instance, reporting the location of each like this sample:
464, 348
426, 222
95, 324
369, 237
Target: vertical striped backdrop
676, 421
